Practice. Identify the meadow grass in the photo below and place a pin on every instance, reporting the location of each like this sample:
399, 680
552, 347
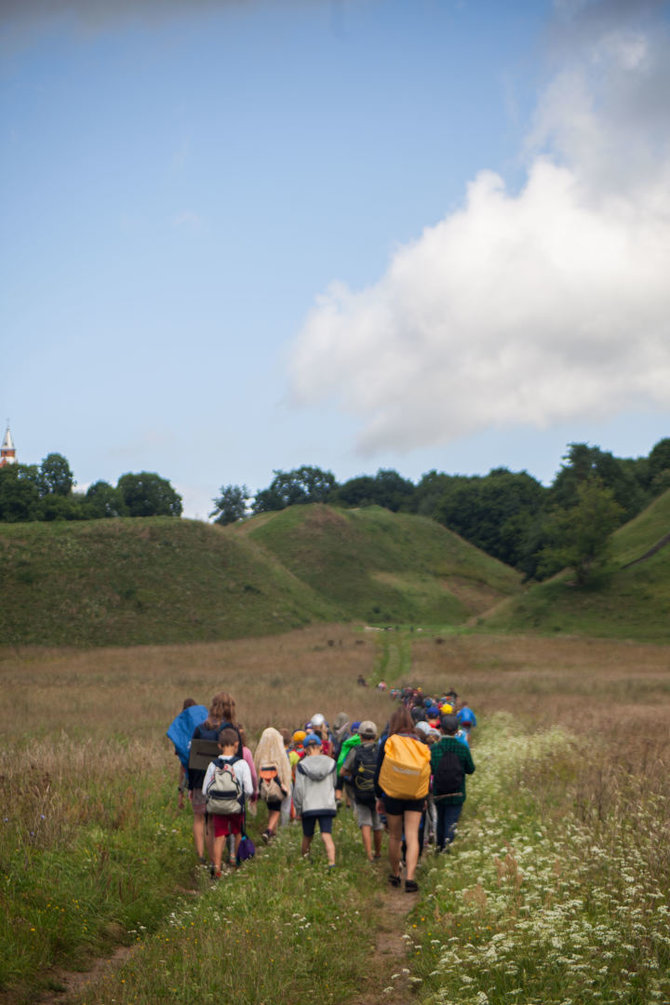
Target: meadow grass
556, 885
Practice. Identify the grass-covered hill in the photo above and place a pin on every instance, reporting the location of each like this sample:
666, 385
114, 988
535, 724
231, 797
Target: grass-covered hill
631, 600
124, 582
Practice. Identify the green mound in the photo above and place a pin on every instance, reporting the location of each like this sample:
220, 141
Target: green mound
161, 580
124, 582
631, 600
383, 567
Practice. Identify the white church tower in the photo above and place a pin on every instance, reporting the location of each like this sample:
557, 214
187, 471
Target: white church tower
7, 450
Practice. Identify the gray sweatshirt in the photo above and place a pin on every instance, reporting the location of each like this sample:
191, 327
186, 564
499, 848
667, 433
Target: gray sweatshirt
314, 791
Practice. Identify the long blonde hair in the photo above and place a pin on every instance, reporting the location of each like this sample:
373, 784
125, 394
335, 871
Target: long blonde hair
271, 750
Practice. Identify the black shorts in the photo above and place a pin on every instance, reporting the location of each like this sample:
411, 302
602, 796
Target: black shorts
325, 824
396, 807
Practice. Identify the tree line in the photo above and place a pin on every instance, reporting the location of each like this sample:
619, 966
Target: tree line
510, 515
46, 492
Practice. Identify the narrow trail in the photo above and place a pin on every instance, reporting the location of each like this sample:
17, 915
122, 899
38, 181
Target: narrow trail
389, 957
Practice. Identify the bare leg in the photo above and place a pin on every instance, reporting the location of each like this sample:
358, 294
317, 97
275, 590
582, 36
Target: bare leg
273, 821
378, 843
412, 822
199, 834
394, 824
306, 844
330, 847
366, 834
219, 842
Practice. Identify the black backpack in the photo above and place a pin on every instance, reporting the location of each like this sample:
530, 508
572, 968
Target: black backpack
363, 774
449, 774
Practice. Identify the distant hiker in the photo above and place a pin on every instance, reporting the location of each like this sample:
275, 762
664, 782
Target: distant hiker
225, 804
285, 812
274, 777
360, 768
466, 718
401, 785
314, 796
362, 681
450, 761
221, 713
341, 732
317, 724
180, 732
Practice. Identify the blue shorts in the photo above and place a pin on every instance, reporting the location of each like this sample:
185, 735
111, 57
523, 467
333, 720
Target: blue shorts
325, 824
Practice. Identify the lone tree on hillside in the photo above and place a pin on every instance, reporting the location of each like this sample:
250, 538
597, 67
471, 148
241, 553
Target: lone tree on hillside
580, 536
231, 504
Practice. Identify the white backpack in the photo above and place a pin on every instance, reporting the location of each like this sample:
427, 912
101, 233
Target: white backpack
224, 793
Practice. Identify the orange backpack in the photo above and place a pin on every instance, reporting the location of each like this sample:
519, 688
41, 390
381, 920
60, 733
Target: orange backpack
405, 770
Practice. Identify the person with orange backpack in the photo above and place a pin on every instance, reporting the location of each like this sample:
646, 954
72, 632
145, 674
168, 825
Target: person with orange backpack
402, 781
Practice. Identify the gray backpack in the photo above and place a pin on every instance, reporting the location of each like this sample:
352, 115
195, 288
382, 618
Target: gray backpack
224, 793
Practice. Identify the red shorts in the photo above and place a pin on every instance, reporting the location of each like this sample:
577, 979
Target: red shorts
226, 823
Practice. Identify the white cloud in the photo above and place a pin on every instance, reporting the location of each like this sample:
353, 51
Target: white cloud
533, 308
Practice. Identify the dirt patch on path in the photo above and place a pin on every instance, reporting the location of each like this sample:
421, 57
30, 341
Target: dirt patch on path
389, 957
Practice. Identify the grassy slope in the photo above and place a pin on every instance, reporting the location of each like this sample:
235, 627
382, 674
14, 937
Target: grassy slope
627, 603
384, 567
125, 582
111, 582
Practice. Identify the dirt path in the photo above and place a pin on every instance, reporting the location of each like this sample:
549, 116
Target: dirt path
390, 954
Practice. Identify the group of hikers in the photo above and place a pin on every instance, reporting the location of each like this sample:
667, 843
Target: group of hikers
408, 780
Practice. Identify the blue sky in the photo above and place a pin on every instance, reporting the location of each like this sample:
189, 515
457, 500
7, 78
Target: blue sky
245, 236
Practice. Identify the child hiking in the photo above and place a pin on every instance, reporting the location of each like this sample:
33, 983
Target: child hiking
226, 786
450, 761
314, 796
274, 777
359, 769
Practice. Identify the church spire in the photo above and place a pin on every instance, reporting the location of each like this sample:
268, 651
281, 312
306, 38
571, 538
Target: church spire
7, 450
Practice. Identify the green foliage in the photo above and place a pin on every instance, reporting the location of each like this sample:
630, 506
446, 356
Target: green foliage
494, 513
289, 488
231, 504
147, 494
102, 501
387, 488
55, 476
659, 466
19, 493
581, 535
584, 464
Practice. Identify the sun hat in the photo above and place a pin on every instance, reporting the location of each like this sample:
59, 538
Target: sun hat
299, 736
367, 729
317, 719
423, 727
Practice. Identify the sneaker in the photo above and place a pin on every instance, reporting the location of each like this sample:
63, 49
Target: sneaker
411, 886
394, 880
267, 836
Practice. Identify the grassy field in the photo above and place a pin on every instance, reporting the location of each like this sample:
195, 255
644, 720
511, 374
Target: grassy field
556, 889
128, 582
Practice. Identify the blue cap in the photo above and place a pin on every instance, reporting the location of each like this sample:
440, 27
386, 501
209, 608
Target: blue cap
312, 738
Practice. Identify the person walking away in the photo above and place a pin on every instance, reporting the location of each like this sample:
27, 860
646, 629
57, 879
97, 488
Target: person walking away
450, 761
180, 732
274, 777
221, 714
402, 781
467, 719
226, 806
314, 796
359, 769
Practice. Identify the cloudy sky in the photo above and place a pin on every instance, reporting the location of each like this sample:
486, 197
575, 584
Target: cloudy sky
245, 236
